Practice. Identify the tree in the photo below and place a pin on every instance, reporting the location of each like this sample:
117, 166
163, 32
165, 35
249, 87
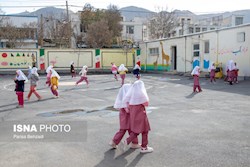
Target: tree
15, 36
56, 31
90, 15
99, 35
161, 24
110, 17
113, 18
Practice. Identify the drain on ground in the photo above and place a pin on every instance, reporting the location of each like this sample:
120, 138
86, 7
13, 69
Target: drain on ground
111, 108
69, 111
57, 113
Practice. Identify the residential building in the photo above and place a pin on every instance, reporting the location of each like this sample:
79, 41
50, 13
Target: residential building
18, 31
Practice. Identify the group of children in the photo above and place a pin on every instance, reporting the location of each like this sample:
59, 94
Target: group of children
131, 102
232, 72
231, 77
33, 76
122, 70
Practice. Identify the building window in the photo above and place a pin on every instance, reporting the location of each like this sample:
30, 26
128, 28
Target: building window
130, 29
153, 51
196, 50
238, 20
180, 32
197, 29
206, 49
204, 29
241, 37
191, 30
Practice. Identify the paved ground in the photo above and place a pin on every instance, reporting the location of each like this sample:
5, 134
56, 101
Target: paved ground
207, 129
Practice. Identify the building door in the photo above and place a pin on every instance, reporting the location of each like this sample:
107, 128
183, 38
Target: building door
173, 57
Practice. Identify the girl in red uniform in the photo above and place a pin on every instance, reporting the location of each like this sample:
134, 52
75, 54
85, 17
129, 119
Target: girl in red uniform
124, 118
137, 99
196, 73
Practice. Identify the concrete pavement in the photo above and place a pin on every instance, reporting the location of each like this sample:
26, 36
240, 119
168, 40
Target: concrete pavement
188, 130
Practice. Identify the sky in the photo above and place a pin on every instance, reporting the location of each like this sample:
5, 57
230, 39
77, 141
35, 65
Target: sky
195, 6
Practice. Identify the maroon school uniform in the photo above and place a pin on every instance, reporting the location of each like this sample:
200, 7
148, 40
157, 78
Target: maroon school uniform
137, 99
212, 75
196, 83
124, 126
138, 119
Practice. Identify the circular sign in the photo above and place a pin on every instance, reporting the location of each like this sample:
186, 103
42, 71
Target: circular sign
4, 55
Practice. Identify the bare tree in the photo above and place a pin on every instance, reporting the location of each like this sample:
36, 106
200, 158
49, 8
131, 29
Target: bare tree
15, 36
161, 24
56, 31
99, 35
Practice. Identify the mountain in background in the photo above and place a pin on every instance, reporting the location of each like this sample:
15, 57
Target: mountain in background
131, 12
56, 13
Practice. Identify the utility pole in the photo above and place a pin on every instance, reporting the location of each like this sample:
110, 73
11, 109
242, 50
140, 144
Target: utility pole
69, 24
41, 33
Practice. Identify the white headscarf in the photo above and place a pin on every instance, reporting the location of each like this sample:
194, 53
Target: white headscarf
54, 74
119, 102
21, 76
231, 65
49, 68
137, 67
196, 71
122, 68
84, 70
72, 62
211, 67
34, 71
137, 94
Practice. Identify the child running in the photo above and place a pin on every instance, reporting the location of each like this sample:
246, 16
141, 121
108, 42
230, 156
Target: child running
33, 77
20, 81
83, 74
231, 73
114, 70
48, 71
54, 78
137, 99
72, 69
196, 73
211, 70
236, 71
124, 118
122, 71
136, 71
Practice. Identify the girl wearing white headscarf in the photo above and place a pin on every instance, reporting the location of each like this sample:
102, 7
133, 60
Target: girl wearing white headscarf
231, 68
114, 70
48, 71
83, 74
72, 69
33, 77
124, 118
211, 70
20, 81
122, 71
196, 73
29, 70
137, 99
136, 71
54, 78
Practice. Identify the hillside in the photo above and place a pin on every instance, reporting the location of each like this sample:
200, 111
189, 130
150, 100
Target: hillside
131, 12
